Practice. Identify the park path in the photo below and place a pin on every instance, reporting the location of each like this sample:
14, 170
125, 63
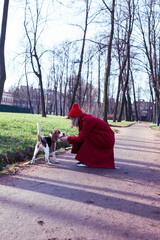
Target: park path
66, 202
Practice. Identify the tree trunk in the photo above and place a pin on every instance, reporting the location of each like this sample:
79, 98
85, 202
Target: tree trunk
2, 43
28, 93
35, 59
56, 105
39, 75
81, 58
42, 97
86, 89
99, 79
159, 110
90, 90
60, 99
129, 105
130, 28
124, 88
134, 95
118, 91
65, 90
126, 109
108, 65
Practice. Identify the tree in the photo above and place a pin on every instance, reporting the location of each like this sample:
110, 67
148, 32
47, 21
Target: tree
134, 95
108, 64
33, 33
99, 104
2, 44
131, 15
120, 52
81, 55
149, 28
28, 92
66, 56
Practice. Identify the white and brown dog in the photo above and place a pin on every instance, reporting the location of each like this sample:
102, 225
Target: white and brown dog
46, 144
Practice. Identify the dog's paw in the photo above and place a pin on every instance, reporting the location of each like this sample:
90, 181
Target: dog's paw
49, 163
56, 161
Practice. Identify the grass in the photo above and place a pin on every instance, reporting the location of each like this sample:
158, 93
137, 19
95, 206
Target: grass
155, 127
120, 124
18, 134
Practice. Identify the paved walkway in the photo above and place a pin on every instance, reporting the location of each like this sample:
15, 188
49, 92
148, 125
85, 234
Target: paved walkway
68, 202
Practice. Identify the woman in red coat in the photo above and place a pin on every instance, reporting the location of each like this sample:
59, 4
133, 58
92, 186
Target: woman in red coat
95, 143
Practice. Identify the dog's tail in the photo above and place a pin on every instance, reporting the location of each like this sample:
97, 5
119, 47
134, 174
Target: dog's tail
39, 132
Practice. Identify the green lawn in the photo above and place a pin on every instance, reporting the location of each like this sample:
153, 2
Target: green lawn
155, 127
18, 133
120, 124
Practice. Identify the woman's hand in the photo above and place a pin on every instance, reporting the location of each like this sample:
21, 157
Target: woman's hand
64, 139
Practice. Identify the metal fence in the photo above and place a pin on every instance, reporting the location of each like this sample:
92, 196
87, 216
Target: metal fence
6, 108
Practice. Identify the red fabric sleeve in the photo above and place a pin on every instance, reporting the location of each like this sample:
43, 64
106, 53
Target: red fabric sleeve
87, 126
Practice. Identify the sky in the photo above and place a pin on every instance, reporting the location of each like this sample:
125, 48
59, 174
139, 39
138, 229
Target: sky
56, 31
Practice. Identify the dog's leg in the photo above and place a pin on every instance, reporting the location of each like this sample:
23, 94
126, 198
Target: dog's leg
36, 150
54, 157
46, 150
54, 154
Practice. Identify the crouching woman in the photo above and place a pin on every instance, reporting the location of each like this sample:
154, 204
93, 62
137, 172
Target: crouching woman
94, 145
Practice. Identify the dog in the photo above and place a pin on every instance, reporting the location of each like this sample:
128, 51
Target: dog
46, 144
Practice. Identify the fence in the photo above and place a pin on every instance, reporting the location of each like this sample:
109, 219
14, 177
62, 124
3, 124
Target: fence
6, 108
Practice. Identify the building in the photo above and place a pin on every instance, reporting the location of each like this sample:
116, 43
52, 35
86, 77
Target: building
7, 99
8, 104
144, 109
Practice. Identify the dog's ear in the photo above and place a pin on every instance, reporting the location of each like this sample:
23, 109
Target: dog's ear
55, 135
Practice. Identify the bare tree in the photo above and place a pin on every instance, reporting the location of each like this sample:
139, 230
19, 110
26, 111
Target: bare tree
149, 28
31, 30
28, 92
108, 65
120, 52
99, 104
66, 56
131, 15
134, 95
85, 98
55, 82
2, 44
81, 55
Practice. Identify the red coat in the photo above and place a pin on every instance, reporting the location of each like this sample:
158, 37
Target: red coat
98, 143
